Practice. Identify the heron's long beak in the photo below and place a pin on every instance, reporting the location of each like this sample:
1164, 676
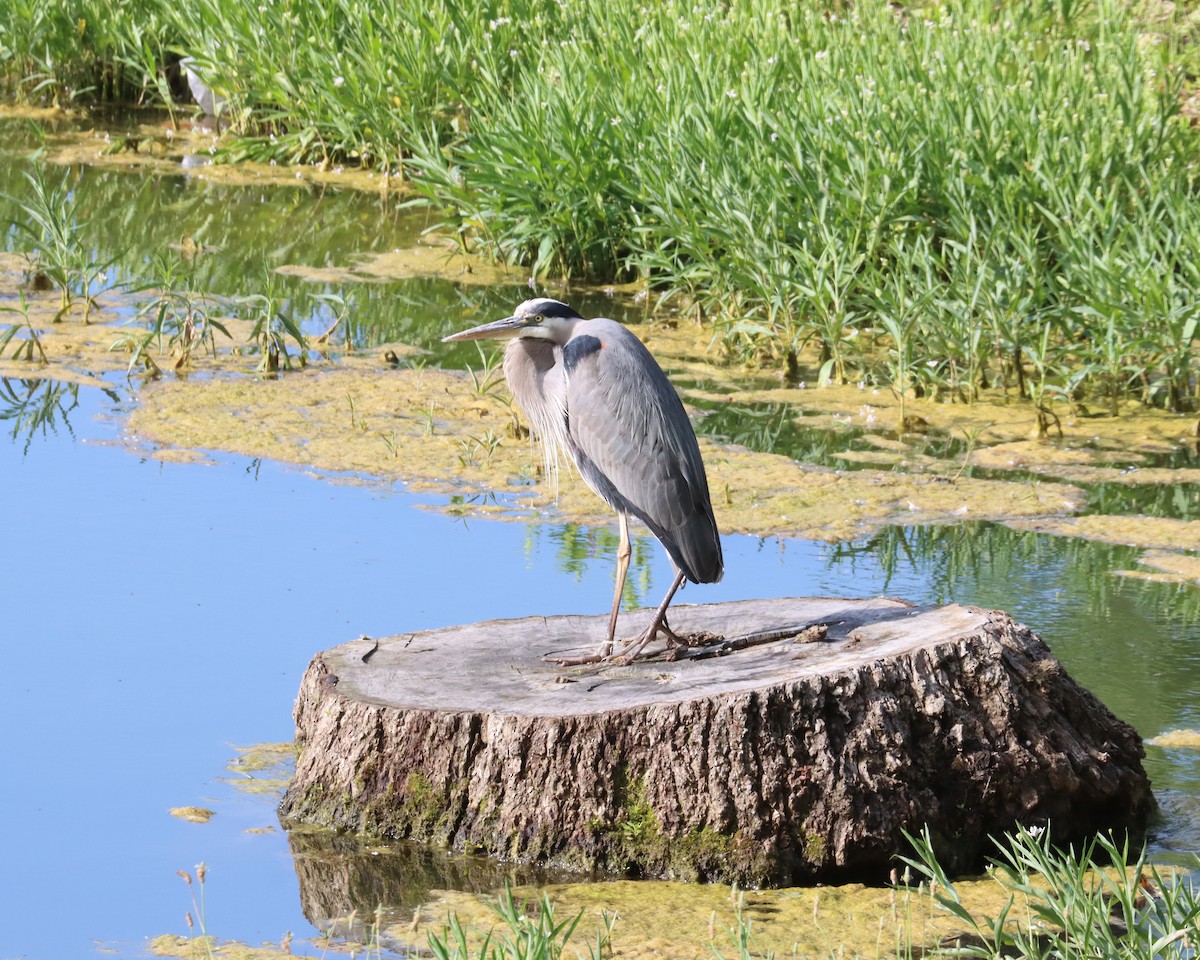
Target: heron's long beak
497, 330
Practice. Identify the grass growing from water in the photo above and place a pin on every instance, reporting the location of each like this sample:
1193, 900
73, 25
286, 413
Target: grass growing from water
24, 349
939, 199
179, 311
1097, 902
1092, 903
48, 222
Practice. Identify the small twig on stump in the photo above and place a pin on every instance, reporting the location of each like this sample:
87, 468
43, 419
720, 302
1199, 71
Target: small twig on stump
809, 633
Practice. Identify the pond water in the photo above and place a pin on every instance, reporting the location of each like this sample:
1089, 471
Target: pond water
158, 615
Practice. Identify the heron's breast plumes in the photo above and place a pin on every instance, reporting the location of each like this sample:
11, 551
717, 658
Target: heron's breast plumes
534, 370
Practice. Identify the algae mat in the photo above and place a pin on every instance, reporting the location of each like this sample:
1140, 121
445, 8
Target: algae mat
447, 432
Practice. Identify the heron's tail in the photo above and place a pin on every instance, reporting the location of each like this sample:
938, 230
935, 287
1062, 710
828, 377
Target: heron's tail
694, 546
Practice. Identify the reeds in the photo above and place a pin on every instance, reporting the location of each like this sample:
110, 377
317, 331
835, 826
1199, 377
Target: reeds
942, 200
1095, 902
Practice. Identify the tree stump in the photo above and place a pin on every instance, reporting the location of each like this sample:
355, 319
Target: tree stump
797, 750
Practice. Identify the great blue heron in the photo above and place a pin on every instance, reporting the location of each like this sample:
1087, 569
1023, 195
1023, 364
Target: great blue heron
592, 390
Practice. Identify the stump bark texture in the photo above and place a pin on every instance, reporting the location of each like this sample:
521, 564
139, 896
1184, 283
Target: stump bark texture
800, 754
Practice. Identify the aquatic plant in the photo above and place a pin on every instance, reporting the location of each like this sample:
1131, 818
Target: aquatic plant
197, 915
527, 932
1096, 902
49, 219
24, 347
271, 327
178, 310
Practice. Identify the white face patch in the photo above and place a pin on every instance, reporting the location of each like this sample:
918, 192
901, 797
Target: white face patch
538, 331
557, 329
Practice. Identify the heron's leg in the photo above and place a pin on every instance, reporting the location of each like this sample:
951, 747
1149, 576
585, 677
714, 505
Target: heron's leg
624, 552
636, 645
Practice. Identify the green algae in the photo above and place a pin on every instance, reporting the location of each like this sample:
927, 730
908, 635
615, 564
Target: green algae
155, 145
431, 429
206, 947
1181, 568
192, 814
679, 921
1189, 739
670, 920
262, 768
1162, 533
432, 257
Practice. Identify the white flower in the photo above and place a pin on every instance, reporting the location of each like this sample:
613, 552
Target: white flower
822, 54
338, 81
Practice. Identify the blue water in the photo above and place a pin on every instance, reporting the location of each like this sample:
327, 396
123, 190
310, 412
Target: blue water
156, 614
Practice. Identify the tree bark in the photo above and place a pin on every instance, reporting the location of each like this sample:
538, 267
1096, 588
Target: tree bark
823, 730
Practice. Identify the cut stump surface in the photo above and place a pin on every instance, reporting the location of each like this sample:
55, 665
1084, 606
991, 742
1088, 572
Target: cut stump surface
800, 754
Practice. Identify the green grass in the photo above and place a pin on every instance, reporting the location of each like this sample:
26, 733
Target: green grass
938, 199
1097, 902
48, 223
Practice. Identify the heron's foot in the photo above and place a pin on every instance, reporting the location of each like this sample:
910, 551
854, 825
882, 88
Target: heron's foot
674, 640
631, 651
634, 649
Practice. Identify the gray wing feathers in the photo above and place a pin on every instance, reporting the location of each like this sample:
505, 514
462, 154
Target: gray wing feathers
635, 446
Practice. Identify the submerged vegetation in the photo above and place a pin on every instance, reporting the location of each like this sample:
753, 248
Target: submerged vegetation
1037, 901
939, 199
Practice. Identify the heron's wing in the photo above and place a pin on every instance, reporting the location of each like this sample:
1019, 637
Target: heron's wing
634, 445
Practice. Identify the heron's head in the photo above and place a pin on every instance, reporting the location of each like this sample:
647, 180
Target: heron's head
540, 317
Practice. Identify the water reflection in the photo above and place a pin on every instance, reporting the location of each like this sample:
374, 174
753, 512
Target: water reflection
775, 428
1179, 500
577, 546
32, 408
340, 874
